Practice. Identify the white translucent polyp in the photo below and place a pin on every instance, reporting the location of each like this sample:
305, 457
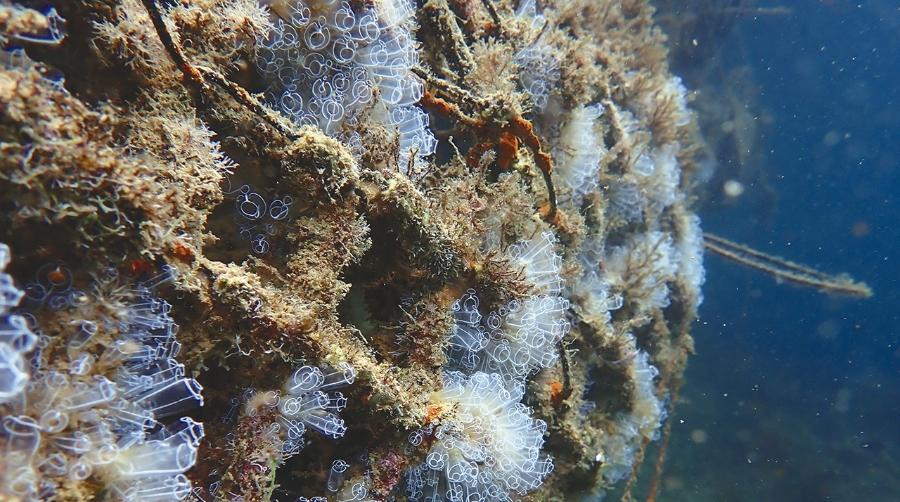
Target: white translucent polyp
342, 376
106, 454
118, 352
325, 423
172, 396
157, 489
295, 429
100, 433
22, 435
190, 431
301, 406
336, 402
5, 256
12, 373
54, 465
85, 332
305, 379
22, 482
14, 332
155, 458
81, 365
290, 407
129, 417
436, 460
80, 470
103, 391
336, 475
468, 338
77, 442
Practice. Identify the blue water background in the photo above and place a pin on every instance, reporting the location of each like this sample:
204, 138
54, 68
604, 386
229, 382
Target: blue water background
795, 395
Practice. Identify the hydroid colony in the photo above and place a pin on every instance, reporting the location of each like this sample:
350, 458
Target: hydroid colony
343, 249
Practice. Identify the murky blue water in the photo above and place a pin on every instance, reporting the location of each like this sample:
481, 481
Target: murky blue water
795, 395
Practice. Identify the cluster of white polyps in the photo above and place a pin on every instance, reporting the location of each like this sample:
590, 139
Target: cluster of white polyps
258, 220
590, 293
624, 202
627, 431
689, 242
309, 57
539, 72
520, 337
651, 183
487, 445
485, 448
579, 151
658, 176
673, 91
643, 266
326, 61
89, 410
16, 339
538, 64
312, 402
468, 337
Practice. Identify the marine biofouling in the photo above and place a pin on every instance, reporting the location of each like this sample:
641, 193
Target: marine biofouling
339, 250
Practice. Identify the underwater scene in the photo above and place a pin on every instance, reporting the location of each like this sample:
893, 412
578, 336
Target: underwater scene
793, 395
449, 250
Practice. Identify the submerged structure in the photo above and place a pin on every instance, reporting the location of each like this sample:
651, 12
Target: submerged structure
339, 250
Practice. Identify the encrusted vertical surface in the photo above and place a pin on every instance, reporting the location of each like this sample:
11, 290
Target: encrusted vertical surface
445, 246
